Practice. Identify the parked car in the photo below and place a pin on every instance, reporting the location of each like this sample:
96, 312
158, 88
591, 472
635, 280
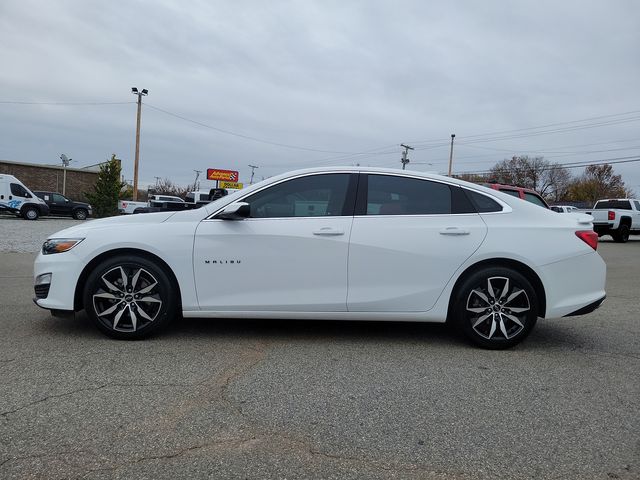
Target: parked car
61, 205
618, 217
349, 243
519, 192
564, 208
17, 199
129, 206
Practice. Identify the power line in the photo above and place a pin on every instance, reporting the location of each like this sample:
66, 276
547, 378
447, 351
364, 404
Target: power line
489, 134
609, 161
63, 103
246, 137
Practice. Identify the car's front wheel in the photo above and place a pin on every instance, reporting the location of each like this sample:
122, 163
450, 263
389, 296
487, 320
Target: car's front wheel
80, 214
30, 213
495, 308
129, 297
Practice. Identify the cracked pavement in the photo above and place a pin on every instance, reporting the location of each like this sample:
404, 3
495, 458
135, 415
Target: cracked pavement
283, 399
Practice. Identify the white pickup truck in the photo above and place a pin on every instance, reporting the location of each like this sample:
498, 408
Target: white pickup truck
129, 206
616, 217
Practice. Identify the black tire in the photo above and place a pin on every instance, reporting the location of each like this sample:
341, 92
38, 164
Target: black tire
490, 324
30, 213
621, 235
127, 313
80, 214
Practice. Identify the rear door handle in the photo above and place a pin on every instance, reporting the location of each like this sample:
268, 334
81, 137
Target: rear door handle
454, 231
328, 231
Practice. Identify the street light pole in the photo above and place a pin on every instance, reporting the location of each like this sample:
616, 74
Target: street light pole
453, 135
65, 164
140, 94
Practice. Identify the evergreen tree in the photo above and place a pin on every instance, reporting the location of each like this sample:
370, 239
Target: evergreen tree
104, 199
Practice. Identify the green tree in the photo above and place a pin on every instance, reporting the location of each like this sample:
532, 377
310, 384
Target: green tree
598, 182
104, 198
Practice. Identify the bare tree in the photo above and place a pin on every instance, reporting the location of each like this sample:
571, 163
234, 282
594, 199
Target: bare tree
548, 179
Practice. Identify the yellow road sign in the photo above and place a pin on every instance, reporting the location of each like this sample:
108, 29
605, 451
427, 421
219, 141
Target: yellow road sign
235, 185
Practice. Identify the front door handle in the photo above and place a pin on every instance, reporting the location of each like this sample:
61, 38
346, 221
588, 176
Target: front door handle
328, 231
454, 231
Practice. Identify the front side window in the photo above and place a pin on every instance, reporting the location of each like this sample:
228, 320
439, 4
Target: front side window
637, 204
392, 195
58, 198
19, 191
311, 196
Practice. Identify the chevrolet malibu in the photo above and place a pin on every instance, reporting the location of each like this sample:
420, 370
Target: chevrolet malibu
341, 244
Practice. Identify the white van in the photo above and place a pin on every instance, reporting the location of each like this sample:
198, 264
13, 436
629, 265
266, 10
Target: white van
17, 199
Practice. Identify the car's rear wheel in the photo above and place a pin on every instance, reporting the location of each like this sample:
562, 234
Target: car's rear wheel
80, 214
30, 213
495, 308
129, 297
621, 235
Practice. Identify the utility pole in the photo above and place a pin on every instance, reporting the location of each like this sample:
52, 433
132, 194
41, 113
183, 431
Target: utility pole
196, 185
453, 135
140, 94
253, 169
65, 163
404, 159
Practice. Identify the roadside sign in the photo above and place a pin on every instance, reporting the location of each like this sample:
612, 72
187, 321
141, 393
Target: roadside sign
235, 185
225, 175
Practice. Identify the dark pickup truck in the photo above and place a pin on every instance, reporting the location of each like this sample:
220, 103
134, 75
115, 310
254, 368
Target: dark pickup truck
61, 205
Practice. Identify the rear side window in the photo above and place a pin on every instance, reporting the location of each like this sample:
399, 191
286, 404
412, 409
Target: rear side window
637, 204
483, 203
393, 195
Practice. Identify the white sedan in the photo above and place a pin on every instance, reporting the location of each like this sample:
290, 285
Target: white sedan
343, 244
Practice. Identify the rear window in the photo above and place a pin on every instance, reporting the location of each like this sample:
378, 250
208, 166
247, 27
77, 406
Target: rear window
483, 203
533, 198
513, 193
607, 204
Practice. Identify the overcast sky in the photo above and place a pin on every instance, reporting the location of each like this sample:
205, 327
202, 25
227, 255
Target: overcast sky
309, 83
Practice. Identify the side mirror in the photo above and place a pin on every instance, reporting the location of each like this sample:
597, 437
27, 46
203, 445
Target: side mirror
235, 211
67, 200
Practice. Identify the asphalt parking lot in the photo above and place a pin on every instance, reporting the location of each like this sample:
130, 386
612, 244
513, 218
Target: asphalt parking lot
275, 399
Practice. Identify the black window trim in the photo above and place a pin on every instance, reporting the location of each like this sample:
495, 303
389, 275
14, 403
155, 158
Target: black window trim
349, 200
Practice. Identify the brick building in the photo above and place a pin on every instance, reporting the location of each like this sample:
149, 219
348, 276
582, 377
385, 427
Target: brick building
50, 177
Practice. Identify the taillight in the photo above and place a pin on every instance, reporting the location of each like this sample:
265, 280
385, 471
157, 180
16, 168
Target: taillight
589, 237
612, 215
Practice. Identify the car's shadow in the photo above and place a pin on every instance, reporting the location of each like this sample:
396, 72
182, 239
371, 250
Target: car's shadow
269, 329
547, 335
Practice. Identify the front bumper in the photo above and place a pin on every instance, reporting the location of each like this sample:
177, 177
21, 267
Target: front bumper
65, 269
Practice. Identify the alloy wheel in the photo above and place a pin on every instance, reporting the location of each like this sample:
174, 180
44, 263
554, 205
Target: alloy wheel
499, 309
127, 298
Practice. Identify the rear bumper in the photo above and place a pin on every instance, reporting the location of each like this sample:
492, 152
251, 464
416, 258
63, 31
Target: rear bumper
574, 284
602, 228
587, 309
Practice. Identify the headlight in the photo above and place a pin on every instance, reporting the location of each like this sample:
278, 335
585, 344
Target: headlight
59, 245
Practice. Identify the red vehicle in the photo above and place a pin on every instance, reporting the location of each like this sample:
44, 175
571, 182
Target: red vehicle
520, 192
